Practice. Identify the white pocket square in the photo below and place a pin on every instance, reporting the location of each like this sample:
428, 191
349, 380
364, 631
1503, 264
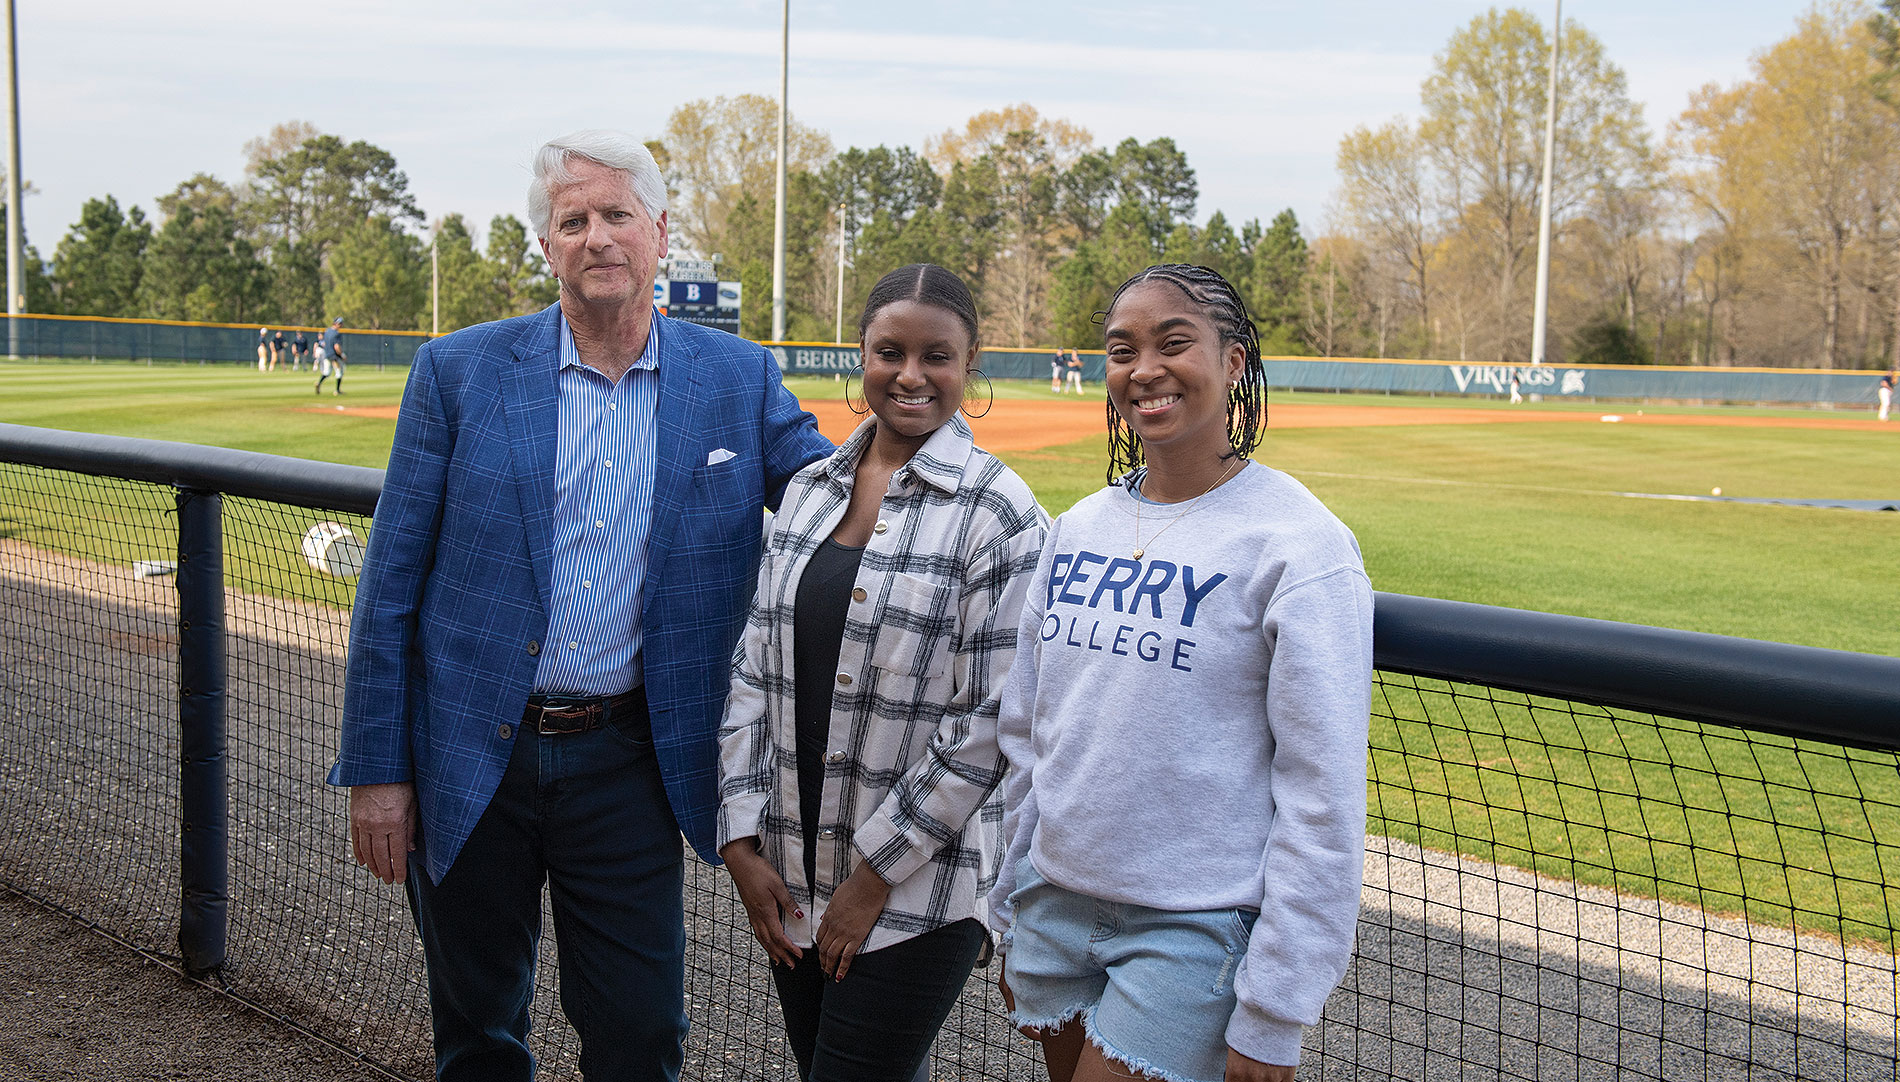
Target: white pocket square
721, 455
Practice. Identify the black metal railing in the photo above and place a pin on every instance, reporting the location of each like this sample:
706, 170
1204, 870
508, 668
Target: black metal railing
1597, 850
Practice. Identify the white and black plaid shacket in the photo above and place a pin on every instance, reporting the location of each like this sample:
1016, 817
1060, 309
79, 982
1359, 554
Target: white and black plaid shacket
912, 770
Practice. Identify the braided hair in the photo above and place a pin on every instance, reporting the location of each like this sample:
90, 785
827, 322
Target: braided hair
1246, 400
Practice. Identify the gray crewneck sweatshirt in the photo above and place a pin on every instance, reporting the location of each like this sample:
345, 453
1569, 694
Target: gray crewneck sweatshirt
1187, 730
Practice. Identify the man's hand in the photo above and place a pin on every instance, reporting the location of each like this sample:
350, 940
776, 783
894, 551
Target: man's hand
383, 828
1242, 1069
766, 898
848, 919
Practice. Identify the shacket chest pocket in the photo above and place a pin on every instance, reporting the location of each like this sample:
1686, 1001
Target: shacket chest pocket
915, 618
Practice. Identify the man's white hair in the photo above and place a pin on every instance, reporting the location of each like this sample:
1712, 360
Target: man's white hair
616, 150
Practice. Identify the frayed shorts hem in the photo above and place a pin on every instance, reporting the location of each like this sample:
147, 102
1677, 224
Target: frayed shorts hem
1133, 1063
1086, 1012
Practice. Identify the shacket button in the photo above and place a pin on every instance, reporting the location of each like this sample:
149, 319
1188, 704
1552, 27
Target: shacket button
835, 757
506, 731
827, 834
858, 594
844, 678
534, 648
881, 526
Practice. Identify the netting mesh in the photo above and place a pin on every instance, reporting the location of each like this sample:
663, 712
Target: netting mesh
1553, 890
88, 679
1558, 890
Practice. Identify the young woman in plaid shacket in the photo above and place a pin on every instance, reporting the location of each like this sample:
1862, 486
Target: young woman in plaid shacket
859, 768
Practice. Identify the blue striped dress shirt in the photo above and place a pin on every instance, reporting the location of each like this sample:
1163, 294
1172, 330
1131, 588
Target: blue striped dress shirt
603, 511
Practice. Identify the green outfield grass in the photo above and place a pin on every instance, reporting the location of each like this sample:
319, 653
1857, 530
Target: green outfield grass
1523, 515
223, 405
1530, 516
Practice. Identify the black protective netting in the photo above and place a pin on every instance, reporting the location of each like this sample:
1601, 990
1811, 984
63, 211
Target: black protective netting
1553, 890
1556, 890
89, 685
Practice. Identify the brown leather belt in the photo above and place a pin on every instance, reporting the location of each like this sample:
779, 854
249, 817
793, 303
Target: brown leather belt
551, 715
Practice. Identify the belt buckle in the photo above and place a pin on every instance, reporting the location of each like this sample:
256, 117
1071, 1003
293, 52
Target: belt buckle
548, 718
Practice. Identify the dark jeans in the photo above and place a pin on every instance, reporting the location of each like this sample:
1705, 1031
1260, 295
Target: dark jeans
876, 1025
587, 814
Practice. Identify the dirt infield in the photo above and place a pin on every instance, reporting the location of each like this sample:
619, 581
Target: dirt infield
1019, 425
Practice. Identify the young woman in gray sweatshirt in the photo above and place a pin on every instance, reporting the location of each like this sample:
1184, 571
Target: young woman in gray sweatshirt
1185, 727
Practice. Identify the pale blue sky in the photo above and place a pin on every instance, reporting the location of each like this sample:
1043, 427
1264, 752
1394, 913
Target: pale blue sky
130, 98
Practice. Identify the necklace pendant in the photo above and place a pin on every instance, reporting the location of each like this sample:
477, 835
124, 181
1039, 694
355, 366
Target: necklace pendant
1138, 553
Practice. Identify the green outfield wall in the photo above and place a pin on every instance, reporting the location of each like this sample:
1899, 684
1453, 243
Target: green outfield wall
1799, 385
101, 339
211, 343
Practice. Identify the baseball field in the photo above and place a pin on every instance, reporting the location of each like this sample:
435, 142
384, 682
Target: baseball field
1543, 506
1599, 510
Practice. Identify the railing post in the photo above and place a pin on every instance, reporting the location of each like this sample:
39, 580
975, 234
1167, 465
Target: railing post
204, 868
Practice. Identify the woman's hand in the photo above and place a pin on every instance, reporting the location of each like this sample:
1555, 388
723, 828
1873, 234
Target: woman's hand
848, 919
1009, 1004
766, 898
1242, 1069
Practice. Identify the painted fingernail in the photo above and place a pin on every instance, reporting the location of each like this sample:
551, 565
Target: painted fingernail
799, 913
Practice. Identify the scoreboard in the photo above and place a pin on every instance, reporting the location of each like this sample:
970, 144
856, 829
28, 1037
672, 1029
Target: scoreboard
691, 291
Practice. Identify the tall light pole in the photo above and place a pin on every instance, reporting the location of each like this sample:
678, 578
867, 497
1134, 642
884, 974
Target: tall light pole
16, 259
1542, 309
435, 288
778, 214
837, 328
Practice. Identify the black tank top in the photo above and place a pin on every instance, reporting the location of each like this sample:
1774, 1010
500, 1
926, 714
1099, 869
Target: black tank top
818, 612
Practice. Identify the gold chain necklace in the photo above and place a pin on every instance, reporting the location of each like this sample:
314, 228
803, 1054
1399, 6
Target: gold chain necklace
1140, 549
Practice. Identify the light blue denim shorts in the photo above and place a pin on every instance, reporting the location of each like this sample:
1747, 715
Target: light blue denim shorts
1154, 988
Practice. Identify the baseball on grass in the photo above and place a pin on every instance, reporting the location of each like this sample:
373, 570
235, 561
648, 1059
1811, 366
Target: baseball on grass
1716, 491
331, 548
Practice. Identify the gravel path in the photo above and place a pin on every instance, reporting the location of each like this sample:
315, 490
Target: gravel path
76, 1005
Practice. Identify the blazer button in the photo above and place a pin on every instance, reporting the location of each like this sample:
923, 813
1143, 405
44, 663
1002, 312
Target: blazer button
534, 648
827, 834
844, 678
881, 526
857, 593
506, 731
835, 757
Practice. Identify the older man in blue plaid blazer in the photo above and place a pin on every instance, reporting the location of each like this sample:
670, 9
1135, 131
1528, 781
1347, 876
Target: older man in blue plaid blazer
540, 649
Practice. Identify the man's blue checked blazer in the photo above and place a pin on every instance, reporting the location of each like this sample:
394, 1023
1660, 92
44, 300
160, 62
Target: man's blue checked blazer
452, 607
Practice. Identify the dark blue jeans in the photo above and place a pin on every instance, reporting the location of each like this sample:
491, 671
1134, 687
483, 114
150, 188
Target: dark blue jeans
876, 1025
586, 814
